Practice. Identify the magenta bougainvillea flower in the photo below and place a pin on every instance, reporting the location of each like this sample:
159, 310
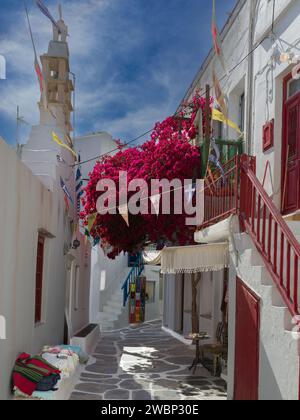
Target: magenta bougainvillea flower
169, 154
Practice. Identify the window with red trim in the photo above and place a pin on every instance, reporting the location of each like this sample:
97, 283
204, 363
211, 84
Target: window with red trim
39, 279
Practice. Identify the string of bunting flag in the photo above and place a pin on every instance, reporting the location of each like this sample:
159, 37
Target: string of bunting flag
189, 191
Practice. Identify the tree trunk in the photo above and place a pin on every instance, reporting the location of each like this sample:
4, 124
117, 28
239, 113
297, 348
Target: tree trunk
195, 313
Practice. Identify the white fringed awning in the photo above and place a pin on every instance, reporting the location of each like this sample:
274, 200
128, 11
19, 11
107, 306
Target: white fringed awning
195, 259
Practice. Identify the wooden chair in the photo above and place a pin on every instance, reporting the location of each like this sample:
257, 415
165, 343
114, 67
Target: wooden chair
219, 349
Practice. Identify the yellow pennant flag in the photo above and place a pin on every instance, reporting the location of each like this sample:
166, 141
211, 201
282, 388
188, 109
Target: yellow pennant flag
91, 221
218, 116
62, 144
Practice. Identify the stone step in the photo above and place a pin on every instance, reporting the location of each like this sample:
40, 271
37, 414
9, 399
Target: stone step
107, 326
295, 227
112, 310
116, 299
115, 304
104, 316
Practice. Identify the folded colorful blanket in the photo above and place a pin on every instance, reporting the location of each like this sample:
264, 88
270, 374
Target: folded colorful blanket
29, 371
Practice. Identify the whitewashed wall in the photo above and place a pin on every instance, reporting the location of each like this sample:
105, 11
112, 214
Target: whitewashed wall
106, 274
178, 303
261, 81
153, 309
235, 46
268, 74
261, 78
26, 208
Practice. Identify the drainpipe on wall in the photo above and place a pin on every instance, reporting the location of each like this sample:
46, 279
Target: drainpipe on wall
250, 77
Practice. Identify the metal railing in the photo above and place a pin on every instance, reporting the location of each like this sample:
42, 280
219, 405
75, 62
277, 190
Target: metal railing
135, 272
272, 236
221, 194
239, 191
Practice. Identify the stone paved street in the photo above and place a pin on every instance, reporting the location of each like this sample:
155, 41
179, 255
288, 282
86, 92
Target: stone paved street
145, 363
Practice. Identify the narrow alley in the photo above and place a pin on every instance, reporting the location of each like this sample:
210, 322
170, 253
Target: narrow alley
145, 363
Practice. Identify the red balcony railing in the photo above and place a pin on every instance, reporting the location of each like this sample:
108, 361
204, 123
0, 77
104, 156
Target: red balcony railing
240, 192
271, 235
221, 194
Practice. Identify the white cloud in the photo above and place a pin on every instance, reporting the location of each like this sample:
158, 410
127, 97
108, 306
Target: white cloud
93, 26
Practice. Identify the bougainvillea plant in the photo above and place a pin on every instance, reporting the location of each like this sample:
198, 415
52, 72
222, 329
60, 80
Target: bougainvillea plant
169, 154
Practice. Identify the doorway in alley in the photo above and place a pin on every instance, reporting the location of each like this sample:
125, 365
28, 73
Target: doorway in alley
291, 146
246, 344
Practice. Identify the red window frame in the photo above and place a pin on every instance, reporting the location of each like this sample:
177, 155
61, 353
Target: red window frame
39, 279
268, 135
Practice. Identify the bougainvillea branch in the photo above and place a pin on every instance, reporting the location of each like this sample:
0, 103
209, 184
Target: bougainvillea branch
169, 154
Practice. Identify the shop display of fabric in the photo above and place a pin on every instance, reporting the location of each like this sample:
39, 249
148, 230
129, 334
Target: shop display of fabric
36, 395
83, 357
65, 361
29, 371
38, 377
48, 383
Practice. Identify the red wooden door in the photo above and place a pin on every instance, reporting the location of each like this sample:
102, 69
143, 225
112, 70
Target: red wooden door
246, 344
291, 151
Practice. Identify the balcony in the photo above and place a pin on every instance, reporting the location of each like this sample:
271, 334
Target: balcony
221, 190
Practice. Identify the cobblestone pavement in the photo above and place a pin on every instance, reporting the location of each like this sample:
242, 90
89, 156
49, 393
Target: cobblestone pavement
145, 363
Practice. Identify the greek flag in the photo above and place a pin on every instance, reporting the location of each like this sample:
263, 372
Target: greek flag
46, 12
65, 190
79, 185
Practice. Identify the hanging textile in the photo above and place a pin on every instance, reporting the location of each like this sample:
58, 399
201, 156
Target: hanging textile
195, 259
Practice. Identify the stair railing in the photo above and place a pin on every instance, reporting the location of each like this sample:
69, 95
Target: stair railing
135, 272
272, 236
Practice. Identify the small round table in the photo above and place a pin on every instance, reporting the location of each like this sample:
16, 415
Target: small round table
197, 338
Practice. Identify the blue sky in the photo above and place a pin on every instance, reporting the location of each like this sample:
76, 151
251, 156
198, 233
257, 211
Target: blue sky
133, 60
